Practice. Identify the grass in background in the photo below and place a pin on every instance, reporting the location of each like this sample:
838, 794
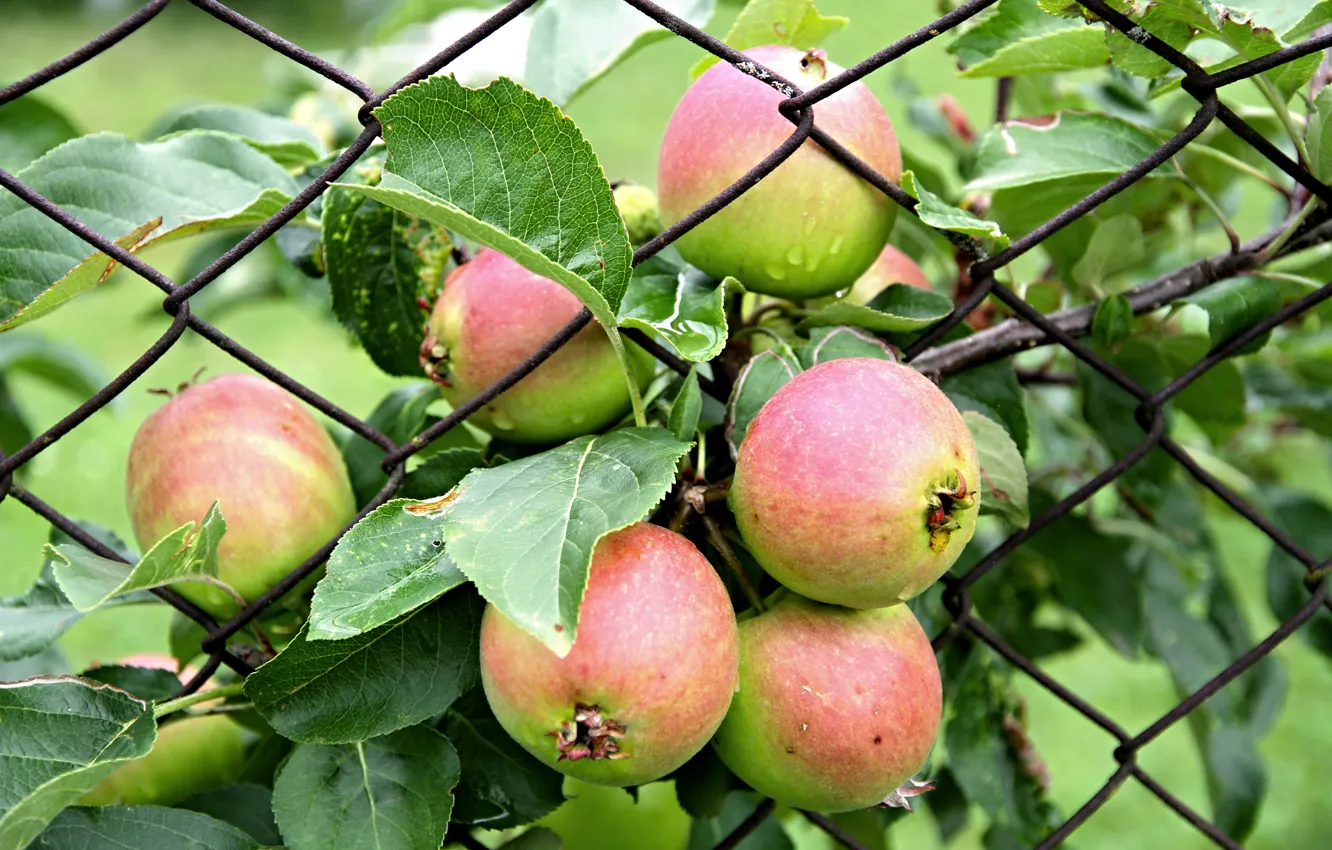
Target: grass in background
186, 56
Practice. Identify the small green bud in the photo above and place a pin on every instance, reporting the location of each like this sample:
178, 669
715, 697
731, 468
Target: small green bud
638, 207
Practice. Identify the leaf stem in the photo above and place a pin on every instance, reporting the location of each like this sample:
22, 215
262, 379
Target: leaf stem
723, 547
172, 706
1292, 226
1283, 113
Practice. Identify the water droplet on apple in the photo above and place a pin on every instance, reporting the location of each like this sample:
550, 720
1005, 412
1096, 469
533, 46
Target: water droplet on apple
501, 421
795, 255
776, 272
836, 245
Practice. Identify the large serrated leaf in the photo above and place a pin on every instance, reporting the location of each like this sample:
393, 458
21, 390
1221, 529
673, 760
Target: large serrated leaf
502, 784
524, 531
59, 737
186, 554
284, 140
31, 622
391, 562
156, 827
1010, 21
680, 304
941, 215
29, 127
1068, 49
381, 264
574, 42
337, 692
898, 308
387, 793
1003, 481
797, 23
139, 194
506, 168
1018, 153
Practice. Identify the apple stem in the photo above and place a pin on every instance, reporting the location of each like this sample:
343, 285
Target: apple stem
172, 706
723, 547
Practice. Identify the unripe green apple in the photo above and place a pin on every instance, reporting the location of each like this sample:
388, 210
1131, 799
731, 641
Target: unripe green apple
246, 443
857, 483
190, 755
836, 708
892, 266
650, 674
811, 227
491, 316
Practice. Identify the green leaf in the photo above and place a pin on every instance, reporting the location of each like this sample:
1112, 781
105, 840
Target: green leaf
387, 793
678, 303
1113, 321
1003, 476
837, 343
400, 416
899, 308
933, 211
108, 827
246, 806
1319, 136
506, 168
706, 834
539, 838
502, 785
337, 692
1236, 779
29, 127
381, 262
33, 621
765, 374
992, 770
1018, 153
524, 532
1318, 16
796, 23
389, 563
186, 554
575, 42
702, 785
59, 364
1068, 49
395, 15
1117, 246
1162, 21
1009, 22
441, 472
686, 408
285, 141
1310, 522
59, 737
143, 194
1096, 577
1246, 36
1235, 305
151, 684
992, 390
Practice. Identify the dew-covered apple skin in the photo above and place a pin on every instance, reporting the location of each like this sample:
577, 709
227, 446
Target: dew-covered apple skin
811, 227
249, 445
857, 483
836, 708
493, 314
656, 653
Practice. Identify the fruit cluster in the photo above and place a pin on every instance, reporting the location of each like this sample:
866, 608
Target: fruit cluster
854, 487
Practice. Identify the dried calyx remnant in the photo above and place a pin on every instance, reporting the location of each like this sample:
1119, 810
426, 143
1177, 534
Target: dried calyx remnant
434, 358
943, 502
590, 735
901, 798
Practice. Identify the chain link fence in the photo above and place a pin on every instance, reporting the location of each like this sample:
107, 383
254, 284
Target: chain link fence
801, 109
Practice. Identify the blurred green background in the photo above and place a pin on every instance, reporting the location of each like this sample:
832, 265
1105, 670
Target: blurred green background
186, 56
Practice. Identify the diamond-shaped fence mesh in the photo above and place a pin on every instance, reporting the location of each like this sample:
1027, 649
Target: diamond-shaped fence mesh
801, 108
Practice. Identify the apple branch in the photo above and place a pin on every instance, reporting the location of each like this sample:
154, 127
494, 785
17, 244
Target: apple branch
1015, 335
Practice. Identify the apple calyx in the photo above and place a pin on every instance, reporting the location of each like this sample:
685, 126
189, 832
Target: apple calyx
434, 358
943, 503
901, 798
817, 59
589, 735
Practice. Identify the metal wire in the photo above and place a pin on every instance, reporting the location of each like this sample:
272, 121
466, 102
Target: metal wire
1026, 329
